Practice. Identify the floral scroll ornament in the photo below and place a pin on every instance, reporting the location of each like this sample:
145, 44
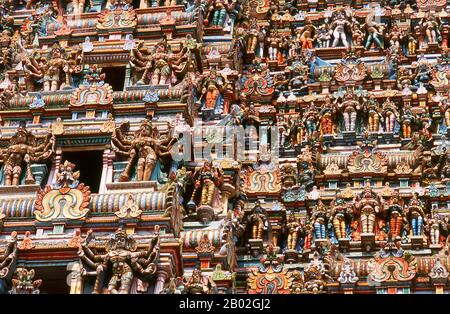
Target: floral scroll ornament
351, 69
258, 83
130, 209
271, 277
121, 16
392, 265
67, 198
95, 92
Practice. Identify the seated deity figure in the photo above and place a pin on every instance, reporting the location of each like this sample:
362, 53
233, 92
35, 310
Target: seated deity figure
24, 150
146, 150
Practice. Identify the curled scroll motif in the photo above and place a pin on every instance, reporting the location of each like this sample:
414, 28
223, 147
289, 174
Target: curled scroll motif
367, 162
98, 94
261, 181
392, 268
121, 16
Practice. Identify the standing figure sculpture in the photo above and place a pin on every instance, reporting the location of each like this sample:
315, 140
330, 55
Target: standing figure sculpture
122, 259
217, 12
390, 116
367, 204
407, 118
208, 179
144, 149
341, 216
349, 108
24, 149
319, 219
416, 215
374, 114
307, 35
430, 25
293, 228
374, 32
258, 221
340, 25
395, 216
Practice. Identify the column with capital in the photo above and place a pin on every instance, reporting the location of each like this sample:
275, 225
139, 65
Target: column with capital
161, 277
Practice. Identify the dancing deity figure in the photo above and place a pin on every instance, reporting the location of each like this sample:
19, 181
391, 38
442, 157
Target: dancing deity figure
416, 215
144, 149
122, 260
24, 149
374, 32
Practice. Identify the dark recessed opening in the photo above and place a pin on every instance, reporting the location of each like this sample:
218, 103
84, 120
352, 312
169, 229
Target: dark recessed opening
115, 76
90, 165
54, 279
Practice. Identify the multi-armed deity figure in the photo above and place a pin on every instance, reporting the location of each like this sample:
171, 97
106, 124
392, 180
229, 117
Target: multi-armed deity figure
341, 216
415, 212
49, 71
340, 26
368, 206
122, 259
374, 114
158, 66
144, 150
25, 149
212, 89
207, 182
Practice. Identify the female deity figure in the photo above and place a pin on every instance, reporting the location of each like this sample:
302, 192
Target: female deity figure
208, 179
144, 149
395, 216
319, 219
341, 216
23, 148
390, 116
122, 260
367, 204
340, 25
293, 228
416, 214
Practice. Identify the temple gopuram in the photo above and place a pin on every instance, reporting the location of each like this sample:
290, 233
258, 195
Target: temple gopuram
224, 147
